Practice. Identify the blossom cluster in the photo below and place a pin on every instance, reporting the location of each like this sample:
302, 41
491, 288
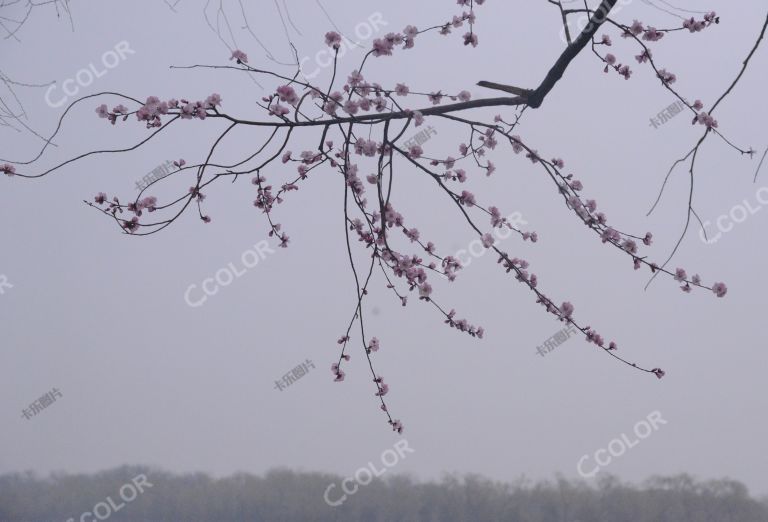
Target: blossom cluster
350, 113
153, 108
640, 33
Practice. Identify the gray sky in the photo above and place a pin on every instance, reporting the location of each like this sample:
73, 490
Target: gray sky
147, 379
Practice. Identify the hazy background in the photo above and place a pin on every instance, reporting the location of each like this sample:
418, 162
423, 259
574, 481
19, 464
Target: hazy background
148, 380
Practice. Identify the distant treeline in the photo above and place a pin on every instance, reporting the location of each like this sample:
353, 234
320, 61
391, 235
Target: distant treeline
138, 494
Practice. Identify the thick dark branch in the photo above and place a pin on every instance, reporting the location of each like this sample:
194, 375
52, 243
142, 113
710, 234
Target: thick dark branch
379, 118
556, 72
536, 97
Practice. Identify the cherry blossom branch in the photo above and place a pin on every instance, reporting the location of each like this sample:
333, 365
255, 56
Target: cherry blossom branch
359, 108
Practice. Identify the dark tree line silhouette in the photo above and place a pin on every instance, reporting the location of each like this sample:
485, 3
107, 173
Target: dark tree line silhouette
284, 495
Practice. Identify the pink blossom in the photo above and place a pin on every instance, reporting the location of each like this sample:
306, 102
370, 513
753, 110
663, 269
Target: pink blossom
351, 107
705, 119
667, 77
278, 110
132, 225
594, 337
150, 202
644, 56
412, 234
610, 235
383, 389
653, 35
467, 198
719, 289
382, 47
630, 246
333, 39
355, 78
648, 238
211, 101
625, 71
435, 97
394, 38
693, 25
287, 94
240, 56
102, 111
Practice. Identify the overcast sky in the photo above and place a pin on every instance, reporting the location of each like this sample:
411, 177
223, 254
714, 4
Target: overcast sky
147, 379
